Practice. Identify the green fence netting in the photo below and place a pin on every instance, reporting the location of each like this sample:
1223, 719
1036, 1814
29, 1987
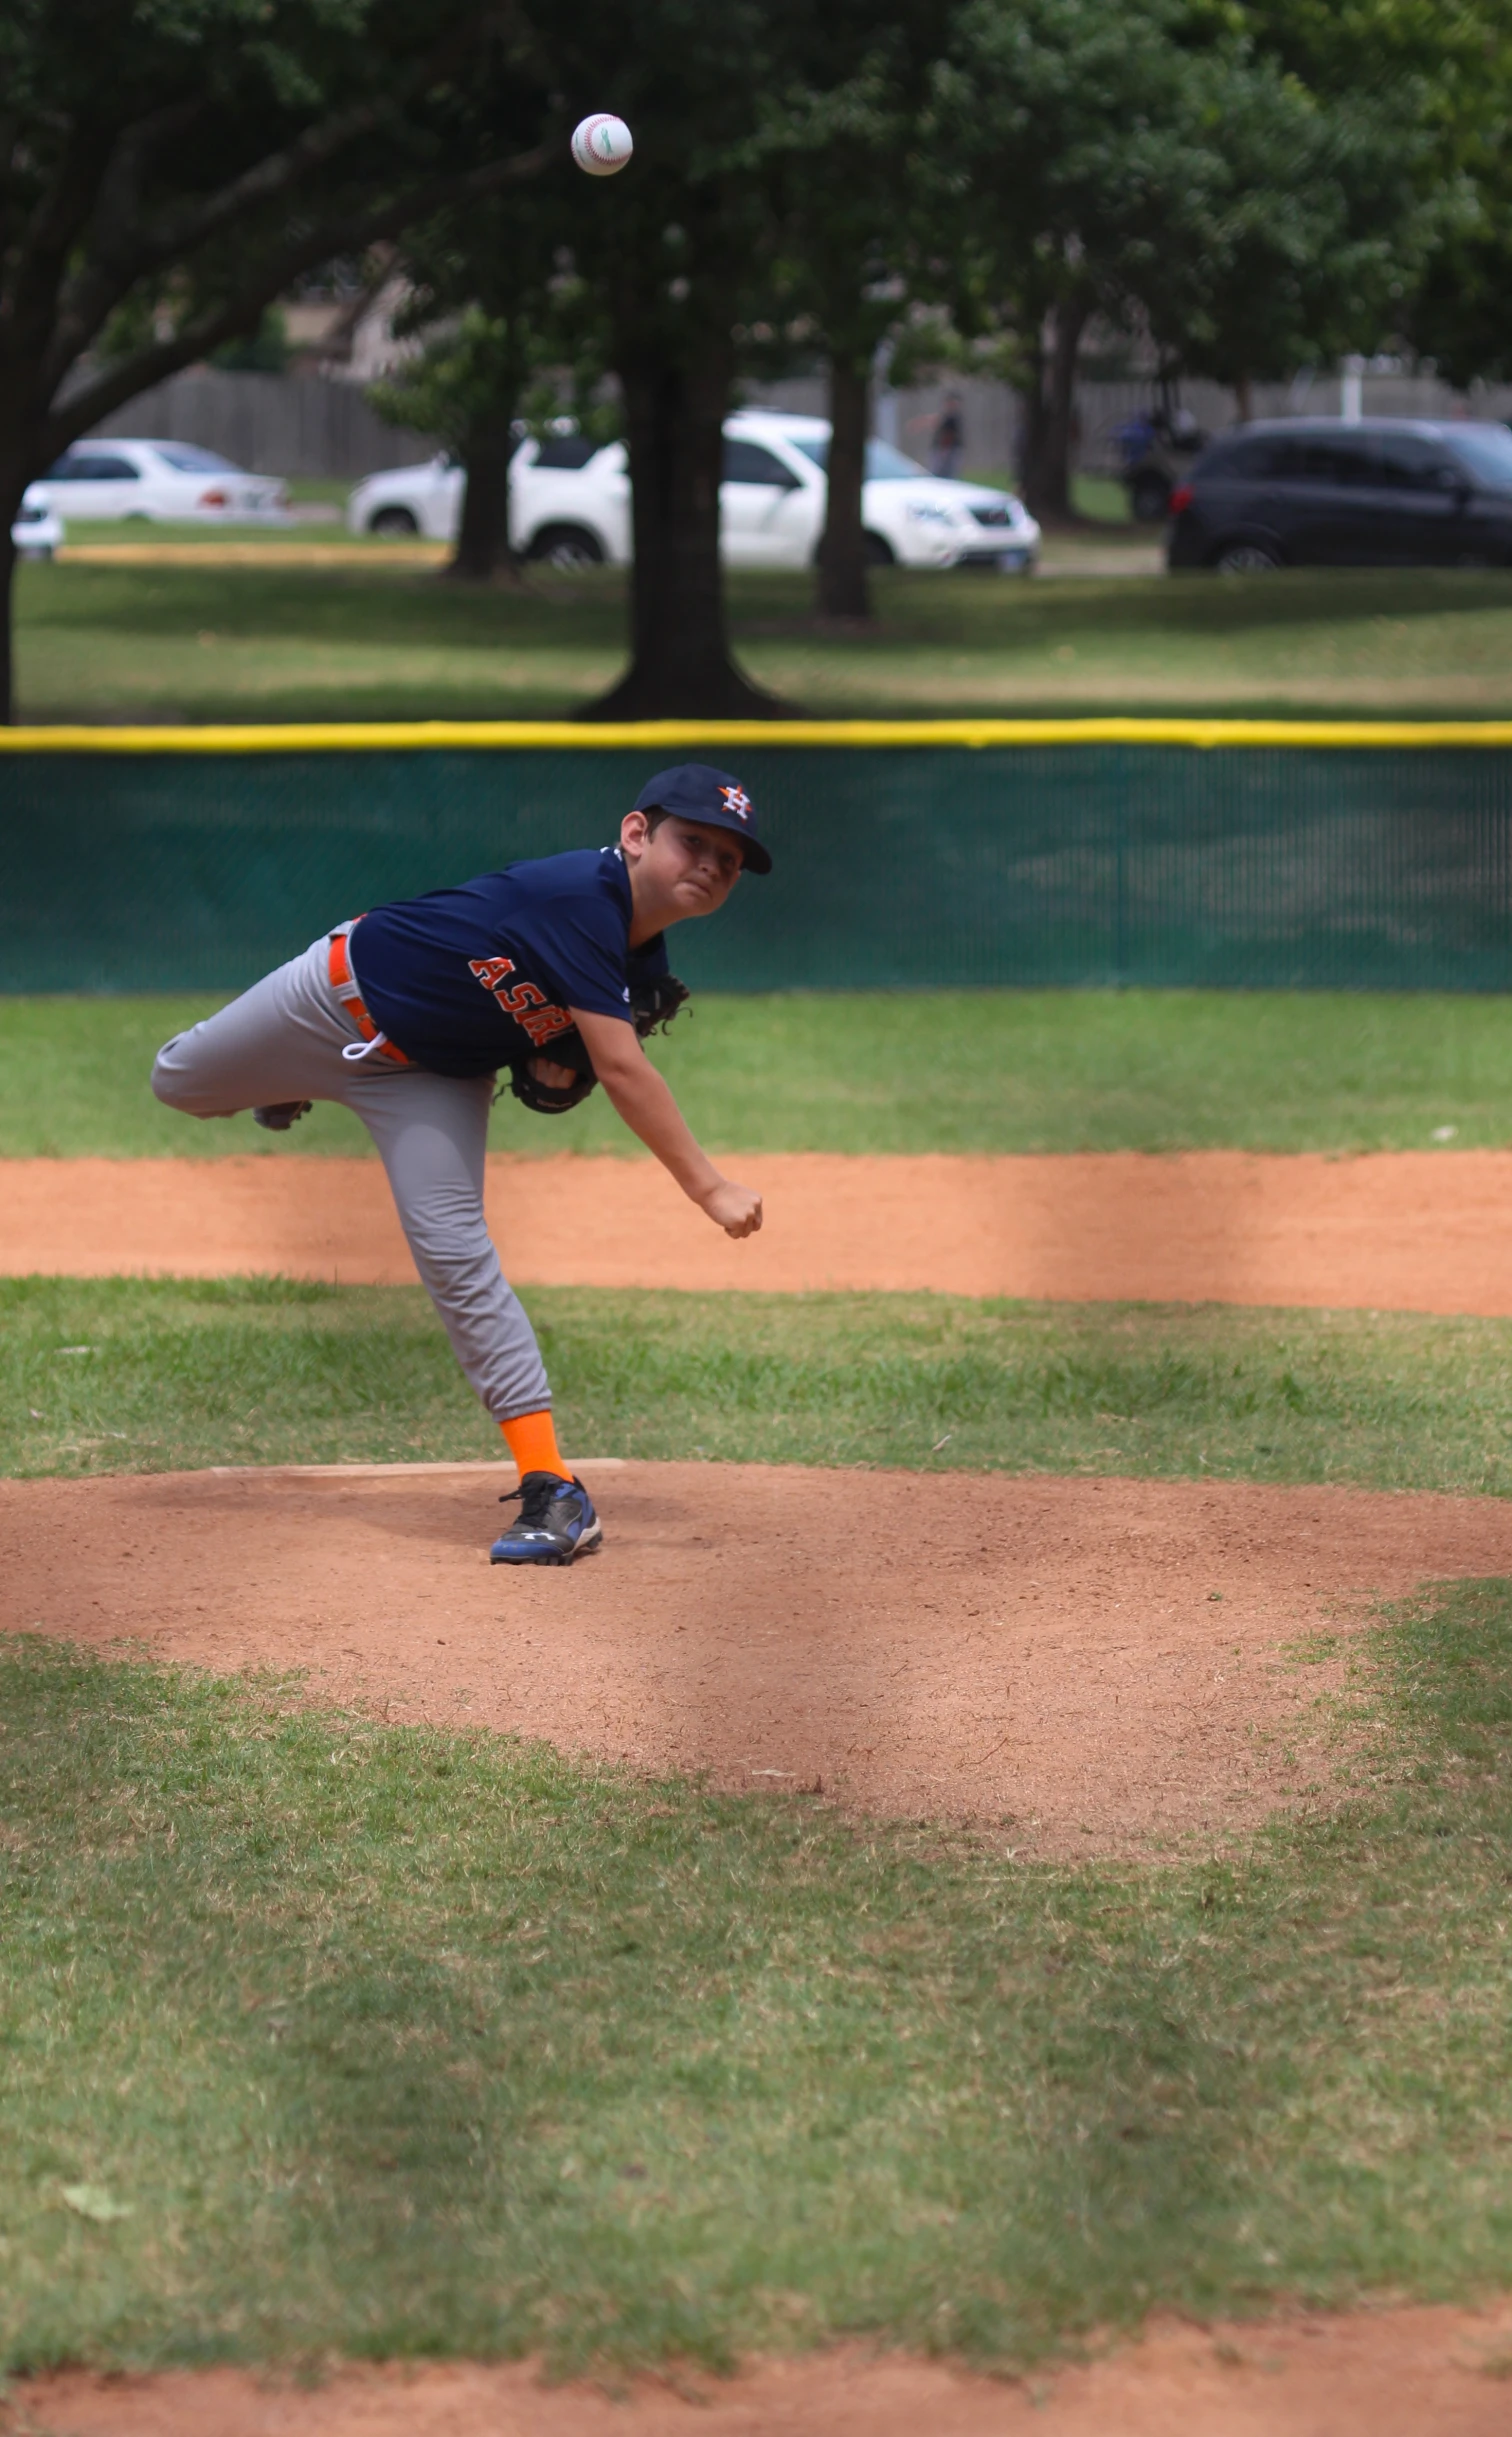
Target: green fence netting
901, 867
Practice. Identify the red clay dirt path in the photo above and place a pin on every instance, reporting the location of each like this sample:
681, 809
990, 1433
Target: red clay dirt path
1406, 1231
1399, 2373
1099, 1666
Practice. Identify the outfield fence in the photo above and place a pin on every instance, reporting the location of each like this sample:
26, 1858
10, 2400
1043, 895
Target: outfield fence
909, 855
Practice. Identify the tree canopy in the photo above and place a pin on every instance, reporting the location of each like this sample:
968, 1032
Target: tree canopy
169, 167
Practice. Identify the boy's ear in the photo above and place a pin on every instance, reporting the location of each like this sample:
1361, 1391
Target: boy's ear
634, 833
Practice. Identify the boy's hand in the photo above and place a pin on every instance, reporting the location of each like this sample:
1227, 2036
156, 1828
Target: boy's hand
735, 1208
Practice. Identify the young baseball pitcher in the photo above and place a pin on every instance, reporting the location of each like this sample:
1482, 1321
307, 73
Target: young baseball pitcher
555, 969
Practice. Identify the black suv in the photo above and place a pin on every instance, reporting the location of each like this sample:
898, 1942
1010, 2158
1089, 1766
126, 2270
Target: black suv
1373, 494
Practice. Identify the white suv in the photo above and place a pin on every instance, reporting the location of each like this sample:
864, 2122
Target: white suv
570, 503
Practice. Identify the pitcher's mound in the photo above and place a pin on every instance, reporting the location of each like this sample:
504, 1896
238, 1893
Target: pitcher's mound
1105, 1666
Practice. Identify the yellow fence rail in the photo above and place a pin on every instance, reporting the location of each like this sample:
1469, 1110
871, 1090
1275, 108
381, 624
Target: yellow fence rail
691, 737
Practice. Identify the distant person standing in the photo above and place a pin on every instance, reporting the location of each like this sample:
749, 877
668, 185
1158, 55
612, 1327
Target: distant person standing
948, 446
1136, 439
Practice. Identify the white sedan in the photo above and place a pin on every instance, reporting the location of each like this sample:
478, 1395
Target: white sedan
570, 503
38, 530
161, 481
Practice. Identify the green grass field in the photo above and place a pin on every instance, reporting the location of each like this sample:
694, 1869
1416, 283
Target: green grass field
130, 1374
322, 2037
980, 1071
389, 641
330, 1376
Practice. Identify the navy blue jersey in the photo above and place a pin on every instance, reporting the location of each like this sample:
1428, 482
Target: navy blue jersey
468, 979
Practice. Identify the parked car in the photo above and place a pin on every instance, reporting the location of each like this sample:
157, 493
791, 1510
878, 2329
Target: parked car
161, 481
570, 503
1382, 493
37, 531
912, 518
554, 513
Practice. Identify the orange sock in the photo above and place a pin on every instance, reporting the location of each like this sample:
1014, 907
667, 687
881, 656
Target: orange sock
532, 1443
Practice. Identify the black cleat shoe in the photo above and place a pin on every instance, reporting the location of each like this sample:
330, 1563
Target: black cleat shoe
280, 1115
556, 1523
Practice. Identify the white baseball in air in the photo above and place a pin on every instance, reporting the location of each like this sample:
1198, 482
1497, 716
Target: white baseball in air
602, 144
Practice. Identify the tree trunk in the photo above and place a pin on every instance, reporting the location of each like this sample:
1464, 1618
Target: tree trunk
1244, 398
1030, 450
680, 664
842, 588
483, 548
1049, 409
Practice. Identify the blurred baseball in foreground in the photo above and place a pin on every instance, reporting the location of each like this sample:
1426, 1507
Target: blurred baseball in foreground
602, 144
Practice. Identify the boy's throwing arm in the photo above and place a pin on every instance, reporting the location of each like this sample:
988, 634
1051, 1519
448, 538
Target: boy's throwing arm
644, 1100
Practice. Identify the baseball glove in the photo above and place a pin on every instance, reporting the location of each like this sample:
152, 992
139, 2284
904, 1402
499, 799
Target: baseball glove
653, 1004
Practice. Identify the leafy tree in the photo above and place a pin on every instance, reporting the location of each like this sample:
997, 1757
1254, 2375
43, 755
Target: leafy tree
1168, 166
500, 319
266, 350
1460, 311
169, 167
846, 137
1347, 177
665, 263
674, 250
695, 243
1460, 317
464, 387
1319, 202
1069, 125
1054, 123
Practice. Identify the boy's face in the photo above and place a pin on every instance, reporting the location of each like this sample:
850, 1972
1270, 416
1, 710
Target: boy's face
684, 869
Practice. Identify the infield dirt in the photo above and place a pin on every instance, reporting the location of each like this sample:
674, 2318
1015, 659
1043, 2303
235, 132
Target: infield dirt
1093, 1667
1404, 1231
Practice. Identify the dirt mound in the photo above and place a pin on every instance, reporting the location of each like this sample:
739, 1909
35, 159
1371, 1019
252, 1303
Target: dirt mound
1101, 1664
1398, 2373
1398, 1231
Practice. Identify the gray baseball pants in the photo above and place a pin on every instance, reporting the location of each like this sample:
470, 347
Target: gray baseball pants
282, 1040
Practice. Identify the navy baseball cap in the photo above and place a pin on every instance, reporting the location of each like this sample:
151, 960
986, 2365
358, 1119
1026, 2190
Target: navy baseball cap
712, 797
